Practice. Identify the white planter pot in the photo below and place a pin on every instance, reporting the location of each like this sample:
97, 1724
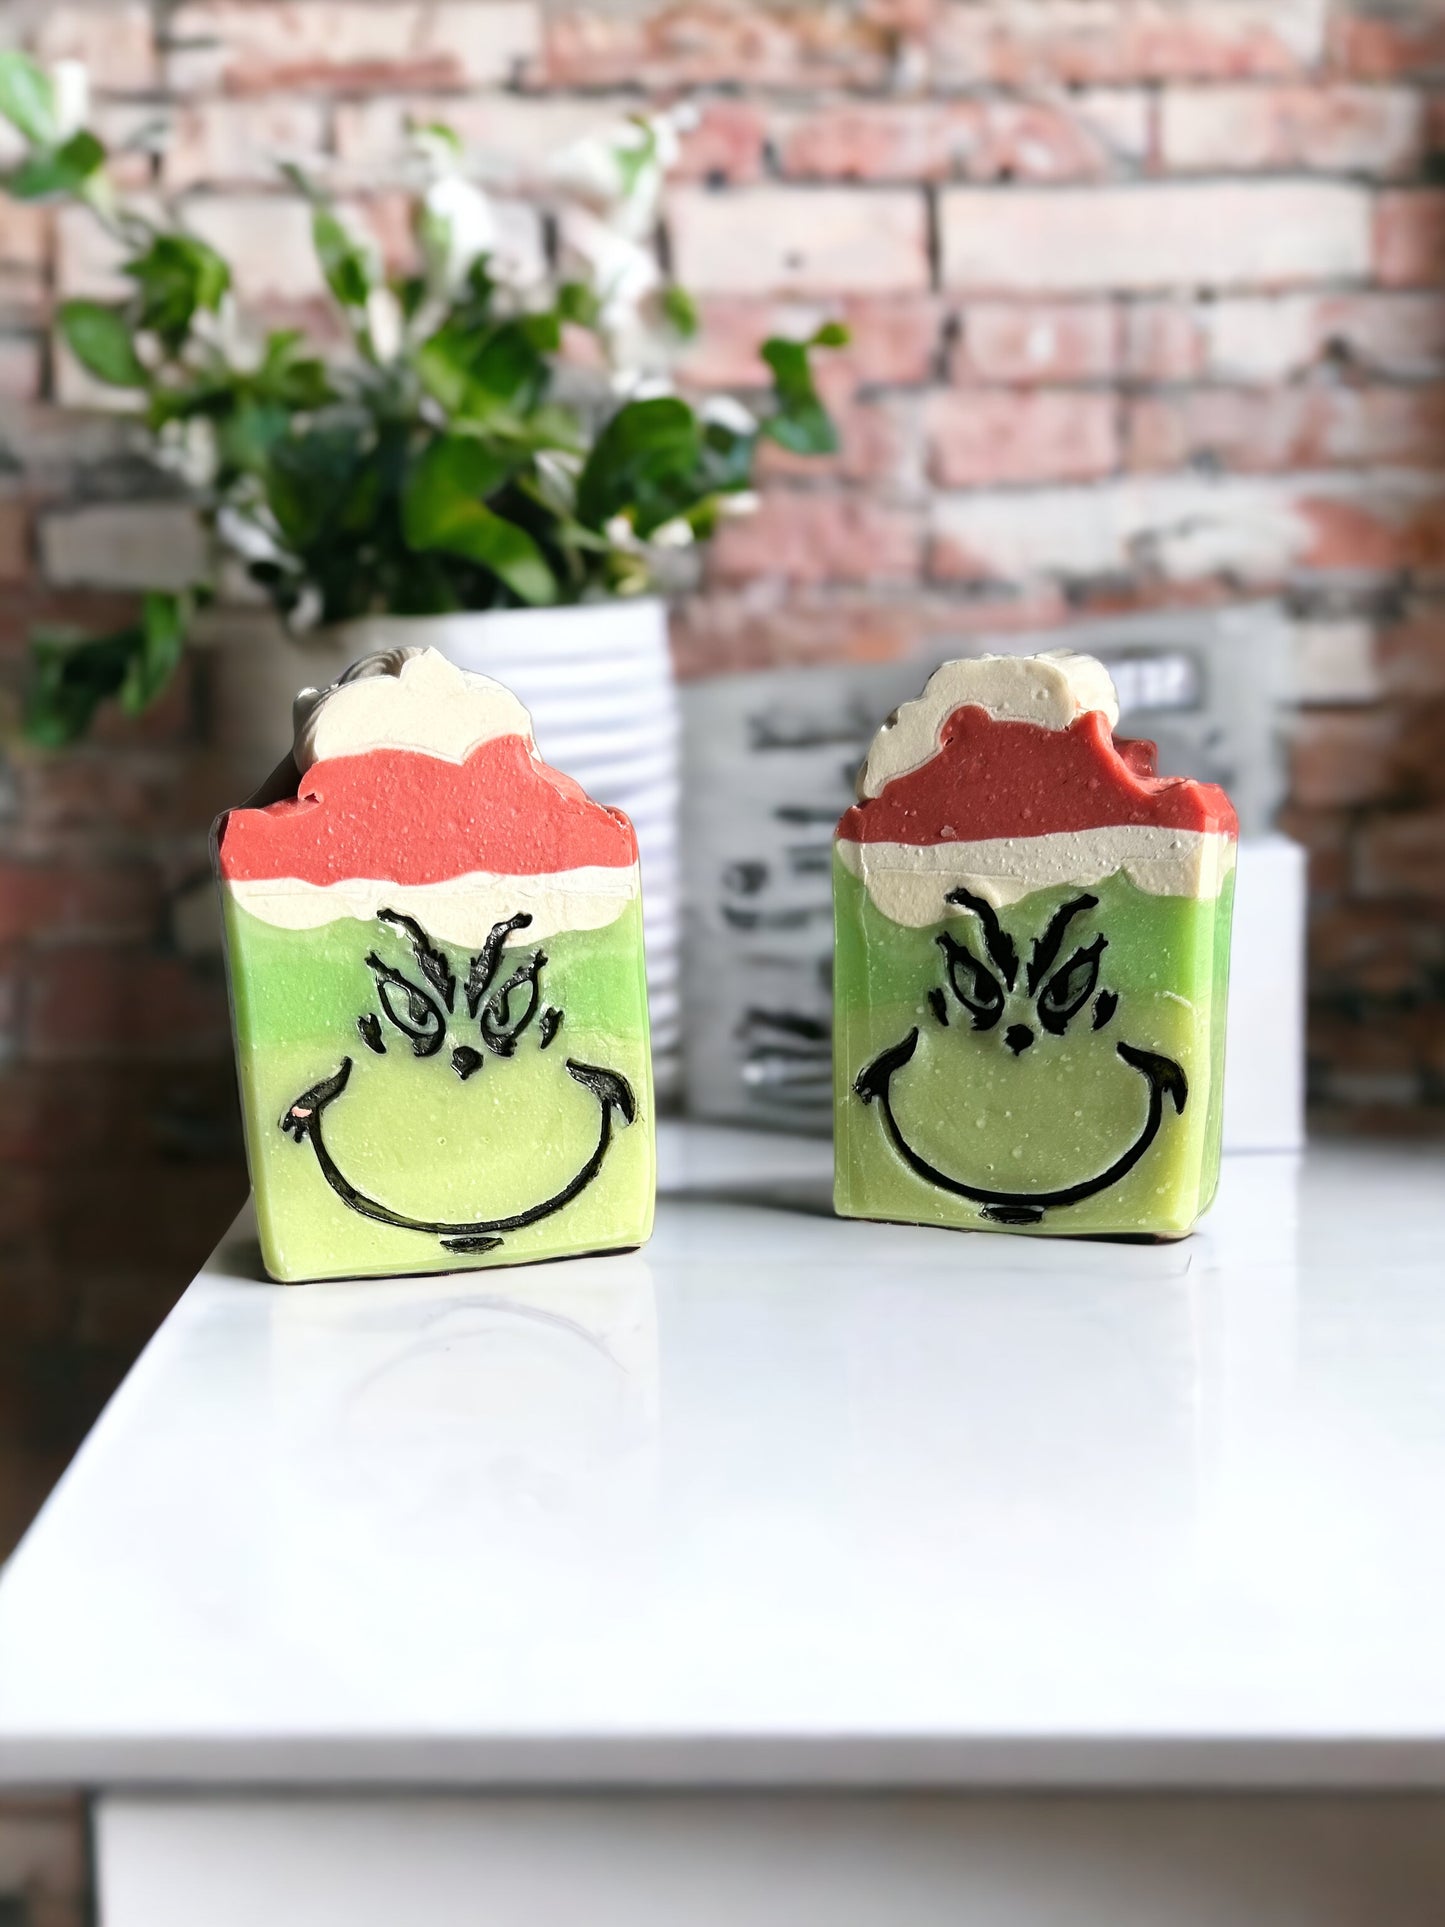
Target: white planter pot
598, 681
253, 671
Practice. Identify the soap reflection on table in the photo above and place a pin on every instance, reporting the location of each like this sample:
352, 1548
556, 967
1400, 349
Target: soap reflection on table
814, 1451
989, 1385
779, 1473
463, 1425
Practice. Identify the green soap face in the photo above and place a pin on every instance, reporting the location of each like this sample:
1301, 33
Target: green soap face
1024, 1095
412, 1136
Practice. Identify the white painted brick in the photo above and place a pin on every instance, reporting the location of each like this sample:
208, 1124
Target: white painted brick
117, 123
116, 42
799, 240
225, 142
24, 233
75, 387
1264, 339
1215, 234
87, 258
51, 445
1029, 42
1120, 116
248, 46
124, 545
1334, 662
505, 132
1181, 527
133, 132
266, 238
521, 251
20, 367
1342, 130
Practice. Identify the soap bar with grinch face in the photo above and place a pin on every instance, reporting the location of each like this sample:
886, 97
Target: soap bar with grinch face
438, 991
1032, 953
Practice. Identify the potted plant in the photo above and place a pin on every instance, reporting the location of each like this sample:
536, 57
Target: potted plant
450, 470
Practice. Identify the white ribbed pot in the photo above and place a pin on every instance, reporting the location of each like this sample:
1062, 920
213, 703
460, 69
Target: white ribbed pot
598, 680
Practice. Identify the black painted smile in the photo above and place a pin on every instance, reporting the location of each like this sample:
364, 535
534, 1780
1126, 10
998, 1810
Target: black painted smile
1164, 1077
303, 1120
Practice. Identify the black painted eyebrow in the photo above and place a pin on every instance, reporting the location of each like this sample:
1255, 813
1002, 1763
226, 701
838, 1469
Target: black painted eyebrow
433, 965
997, 941
1046, 947
484, 964
501, 1035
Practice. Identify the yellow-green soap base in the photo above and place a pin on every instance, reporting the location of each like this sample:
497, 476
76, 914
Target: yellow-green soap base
408, 1131
1061, 1111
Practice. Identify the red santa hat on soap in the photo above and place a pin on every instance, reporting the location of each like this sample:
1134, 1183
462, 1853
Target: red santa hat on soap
1005, 772
422, 791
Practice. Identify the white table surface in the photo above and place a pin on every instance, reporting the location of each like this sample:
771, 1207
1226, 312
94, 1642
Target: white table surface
779, 1500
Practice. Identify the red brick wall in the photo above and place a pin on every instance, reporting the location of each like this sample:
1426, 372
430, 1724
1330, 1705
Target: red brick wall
1149, 309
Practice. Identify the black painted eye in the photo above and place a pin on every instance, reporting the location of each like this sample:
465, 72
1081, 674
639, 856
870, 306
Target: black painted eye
434, 966
1070, 987
512, 1006
975, 986
412, 1010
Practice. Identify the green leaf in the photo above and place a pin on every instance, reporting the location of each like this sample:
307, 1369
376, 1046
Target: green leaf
100, 338
248, 433
832, 334
441, 509
578, 303
357, 509
309, 477
70, 679
548, 426
411, 291
792, 375
162, 639
27, 98
345, 261
542, 331
633, 158
213, 393
646, 461
800, 422
432, 233
437, 130
454, 470
807, 430
479, 373
480, 290
290, 375
727, 458
680, 311
176, 276
51, 172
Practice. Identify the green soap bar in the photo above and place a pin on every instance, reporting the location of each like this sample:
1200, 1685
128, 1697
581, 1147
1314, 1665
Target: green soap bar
438, 992
1031, 966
